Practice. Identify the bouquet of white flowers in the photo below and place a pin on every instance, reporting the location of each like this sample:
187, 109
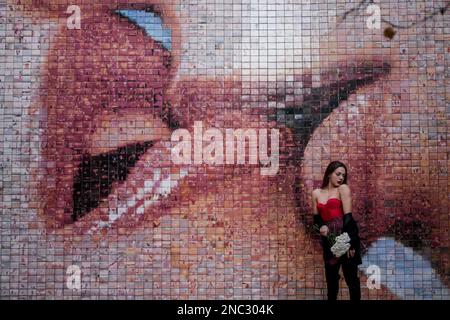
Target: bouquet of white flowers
341, 245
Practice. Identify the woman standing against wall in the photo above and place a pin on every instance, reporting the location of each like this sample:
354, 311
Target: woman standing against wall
332, 208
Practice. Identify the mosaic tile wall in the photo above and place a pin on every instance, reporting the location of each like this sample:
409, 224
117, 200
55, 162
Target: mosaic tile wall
92, 92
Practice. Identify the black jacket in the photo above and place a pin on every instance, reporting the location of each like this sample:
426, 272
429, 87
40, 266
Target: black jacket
350, 226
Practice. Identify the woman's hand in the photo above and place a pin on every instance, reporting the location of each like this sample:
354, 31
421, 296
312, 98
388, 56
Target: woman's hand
350, 253
324, 231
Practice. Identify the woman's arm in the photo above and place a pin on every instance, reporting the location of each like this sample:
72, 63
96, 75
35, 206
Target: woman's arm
346, 198
349, 224
318, 222
314, 202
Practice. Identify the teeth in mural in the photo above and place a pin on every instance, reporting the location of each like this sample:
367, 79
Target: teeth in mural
162, 190
151, 181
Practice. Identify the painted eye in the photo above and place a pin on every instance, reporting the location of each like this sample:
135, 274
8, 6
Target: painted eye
317, 103
151, 23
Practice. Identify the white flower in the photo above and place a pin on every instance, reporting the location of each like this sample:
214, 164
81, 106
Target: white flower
341, 245
343, 238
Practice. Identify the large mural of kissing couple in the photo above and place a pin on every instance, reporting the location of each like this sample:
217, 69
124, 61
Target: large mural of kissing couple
179, 149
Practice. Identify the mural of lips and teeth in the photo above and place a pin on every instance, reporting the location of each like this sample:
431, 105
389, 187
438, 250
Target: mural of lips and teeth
104, 194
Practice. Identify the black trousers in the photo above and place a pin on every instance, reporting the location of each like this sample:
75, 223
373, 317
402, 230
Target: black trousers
350, 269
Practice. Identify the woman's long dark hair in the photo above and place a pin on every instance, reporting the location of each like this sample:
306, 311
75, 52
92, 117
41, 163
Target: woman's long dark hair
330, 169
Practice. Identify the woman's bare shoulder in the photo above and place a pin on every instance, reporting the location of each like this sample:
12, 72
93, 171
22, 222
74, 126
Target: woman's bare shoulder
344, 189
316, 192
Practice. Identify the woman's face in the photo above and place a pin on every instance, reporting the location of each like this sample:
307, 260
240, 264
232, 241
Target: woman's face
112, 201
337, 177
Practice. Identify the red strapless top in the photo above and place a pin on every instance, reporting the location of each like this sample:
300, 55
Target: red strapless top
330, 210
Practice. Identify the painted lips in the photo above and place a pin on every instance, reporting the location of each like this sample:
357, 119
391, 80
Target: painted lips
147, 185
